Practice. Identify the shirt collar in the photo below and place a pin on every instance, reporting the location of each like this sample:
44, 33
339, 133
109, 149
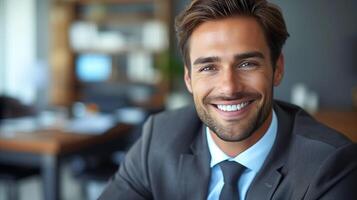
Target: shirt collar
252, 158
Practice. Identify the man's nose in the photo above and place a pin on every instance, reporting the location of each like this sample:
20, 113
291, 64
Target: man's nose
230, 82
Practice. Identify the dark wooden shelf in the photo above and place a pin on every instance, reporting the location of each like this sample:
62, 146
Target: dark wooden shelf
119, 51
118, 19
124, 16
112, 1
86, 2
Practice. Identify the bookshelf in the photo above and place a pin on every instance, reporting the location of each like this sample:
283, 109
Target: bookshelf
133, 34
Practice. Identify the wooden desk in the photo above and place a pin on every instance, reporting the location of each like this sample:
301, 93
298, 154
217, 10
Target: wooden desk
343, 121
48, 149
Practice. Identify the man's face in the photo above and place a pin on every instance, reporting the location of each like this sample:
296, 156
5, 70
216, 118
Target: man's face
231, 76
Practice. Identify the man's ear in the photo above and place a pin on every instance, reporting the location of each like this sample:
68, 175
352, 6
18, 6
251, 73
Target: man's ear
187, 78
279, 70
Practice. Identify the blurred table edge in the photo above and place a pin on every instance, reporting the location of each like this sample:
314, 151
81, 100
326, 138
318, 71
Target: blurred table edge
47, 150
57, 142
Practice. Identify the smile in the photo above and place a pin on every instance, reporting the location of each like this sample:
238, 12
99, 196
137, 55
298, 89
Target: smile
232, 108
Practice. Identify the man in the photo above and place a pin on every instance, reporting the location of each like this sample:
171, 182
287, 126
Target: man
237, 143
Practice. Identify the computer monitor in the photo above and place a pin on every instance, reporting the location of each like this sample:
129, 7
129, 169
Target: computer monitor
93, 67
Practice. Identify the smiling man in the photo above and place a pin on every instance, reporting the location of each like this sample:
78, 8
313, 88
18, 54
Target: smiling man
231, 78
237, 143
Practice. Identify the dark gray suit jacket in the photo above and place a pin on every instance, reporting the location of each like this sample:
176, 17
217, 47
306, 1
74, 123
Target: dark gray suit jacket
171, 161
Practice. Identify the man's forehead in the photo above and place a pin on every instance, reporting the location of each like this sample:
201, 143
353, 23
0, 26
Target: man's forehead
215, 38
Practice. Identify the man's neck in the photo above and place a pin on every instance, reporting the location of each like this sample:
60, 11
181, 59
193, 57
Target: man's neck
233, 149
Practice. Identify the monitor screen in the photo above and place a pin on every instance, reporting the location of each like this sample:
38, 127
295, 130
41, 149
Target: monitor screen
93, 67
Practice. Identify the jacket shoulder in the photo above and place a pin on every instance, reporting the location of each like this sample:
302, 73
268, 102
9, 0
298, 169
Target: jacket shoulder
319, 158
307, 127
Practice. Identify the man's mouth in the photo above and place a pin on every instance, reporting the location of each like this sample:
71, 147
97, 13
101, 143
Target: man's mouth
233, 107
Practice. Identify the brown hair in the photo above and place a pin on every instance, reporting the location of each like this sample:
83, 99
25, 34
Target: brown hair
268, 16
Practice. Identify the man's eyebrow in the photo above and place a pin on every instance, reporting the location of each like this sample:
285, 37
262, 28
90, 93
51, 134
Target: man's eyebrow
212, 59
253, 54
203, 60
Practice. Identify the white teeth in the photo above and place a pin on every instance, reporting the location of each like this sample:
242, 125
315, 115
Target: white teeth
231, 108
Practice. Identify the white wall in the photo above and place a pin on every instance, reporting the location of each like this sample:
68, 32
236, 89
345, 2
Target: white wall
19, 50
2, 48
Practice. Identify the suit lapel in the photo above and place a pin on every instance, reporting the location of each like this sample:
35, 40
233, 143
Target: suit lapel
267, 180
194, 170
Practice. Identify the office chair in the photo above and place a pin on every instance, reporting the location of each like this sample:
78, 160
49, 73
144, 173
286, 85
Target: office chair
11, 108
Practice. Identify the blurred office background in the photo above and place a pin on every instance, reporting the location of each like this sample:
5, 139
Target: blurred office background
70, 59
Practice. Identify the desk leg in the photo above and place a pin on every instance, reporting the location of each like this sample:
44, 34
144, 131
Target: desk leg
50, 174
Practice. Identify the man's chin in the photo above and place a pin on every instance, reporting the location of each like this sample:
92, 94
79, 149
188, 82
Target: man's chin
234, 135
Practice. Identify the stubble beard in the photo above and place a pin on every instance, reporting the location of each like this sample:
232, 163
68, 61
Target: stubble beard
229, 134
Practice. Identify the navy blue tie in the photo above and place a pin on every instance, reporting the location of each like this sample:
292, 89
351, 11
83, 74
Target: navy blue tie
231, 173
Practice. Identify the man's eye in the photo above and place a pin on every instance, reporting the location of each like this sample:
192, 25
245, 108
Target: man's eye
207, 68
247, 65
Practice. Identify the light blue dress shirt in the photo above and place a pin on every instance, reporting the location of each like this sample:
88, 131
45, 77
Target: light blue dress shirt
252, 158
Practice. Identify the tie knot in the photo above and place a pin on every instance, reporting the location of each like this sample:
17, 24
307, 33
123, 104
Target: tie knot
231, 171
